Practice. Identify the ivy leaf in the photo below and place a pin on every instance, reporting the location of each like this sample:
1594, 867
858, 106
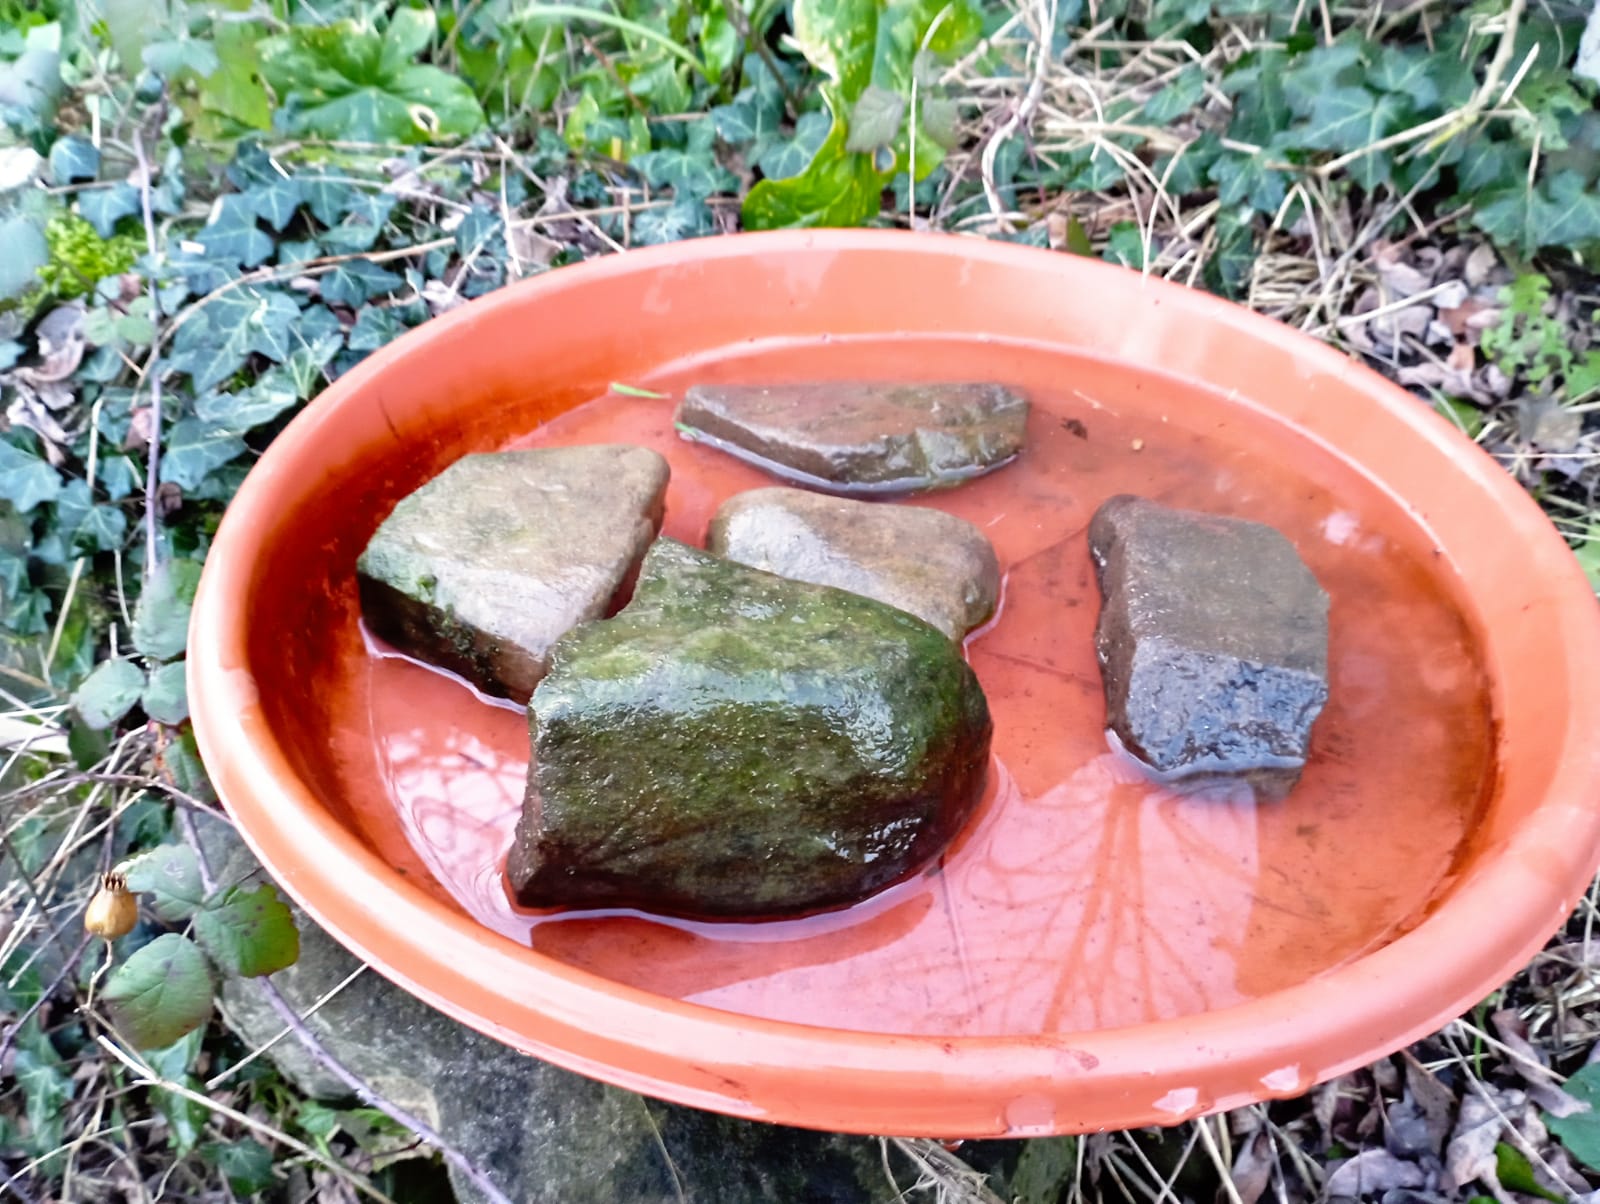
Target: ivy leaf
103, 208
23, 251
109, 693
1486, 162
692, 171
376, 326
194, 450
1558, 212
358, 281
1347, 118
684, 218
1228, 270
171, 875
781, 160
160, 993
1408, 71
329, 200
347, 81
245, 1163
232, 327
363, 220
1246, 179
232, 234
25, 478
1125, 245
249, 932
74, 159
275, 200
161, 618
1178, 97
249, 408
875, 119
1261, 107
752, 117
1310, 76
166, 695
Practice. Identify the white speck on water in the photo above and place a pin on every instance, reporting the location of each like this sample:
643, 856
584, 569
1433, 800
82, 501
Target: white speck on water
1339, 526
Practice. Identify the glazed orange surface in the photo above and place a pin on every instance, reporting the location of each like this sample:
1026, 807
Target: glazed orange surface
1080, 896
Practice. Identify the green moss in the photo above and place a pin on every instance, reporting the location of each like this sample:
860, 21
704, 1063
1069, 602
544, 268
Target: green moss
80, 258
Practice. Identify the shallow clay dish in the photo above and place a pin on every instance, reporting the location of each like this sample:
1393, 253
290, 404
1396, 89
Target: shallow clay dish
1091, 952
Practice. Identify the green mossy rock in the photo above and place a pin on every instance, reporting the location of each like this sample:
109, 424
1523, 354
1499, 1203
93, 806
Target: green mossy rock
483, 568
736, 744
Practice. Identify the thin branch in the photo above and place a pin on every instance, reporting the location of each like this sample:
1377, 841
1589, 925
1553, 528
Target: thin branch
324, 1058
153, 457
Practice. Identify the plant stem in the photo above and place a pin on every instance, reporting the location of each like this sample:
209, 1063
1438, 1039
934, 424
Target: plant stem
573, 13
152, 471
324, 1058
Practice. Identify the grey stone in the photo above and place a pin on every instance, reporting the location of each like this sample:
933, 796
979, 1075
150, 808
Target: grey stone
858, 437
934, 565
1213, 641
541, 1134
484, 567
734, 743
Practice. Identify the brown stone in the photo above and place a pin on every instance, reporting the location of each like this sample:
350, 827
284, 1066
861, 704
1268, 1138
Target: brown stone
934, 565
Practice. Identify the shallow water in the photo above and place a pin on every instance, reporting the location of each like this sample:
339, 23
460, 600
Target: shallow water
1082, 896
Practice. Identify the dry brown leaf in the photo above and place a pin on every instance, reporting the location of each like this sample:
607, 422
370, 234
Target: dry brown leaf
1470, 1155
1252, 1169
1480, 263
1373, 1172
1436, 1101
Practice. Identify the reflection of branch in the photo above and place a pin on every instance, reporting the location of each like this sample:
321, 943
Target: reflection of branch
321, 1055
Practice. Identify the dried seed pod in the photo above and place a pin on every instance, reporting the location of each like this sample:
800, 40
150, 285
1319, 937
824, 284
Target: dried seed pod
112, 912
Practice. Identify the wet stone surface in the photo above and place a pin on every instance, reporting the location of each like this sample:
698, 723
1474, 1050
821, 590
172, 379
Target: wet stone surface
736, 744
483, 568
925, 562
853, 437
1213, 642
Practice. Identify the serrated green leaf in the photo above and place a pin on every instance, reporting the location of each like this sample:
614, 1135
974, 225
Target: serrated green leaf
166, 695
74, 159
1562, 212
232, 234
161, 617
1348, 118
345, 80
1186, 90
26, 479
780, 160
246, 1164
1580, 1132
186, 1119
170, 874
249, 932
875, 119
246, 321
275, 200
109, 693
160, 993
194, 450
357, 282
103, 208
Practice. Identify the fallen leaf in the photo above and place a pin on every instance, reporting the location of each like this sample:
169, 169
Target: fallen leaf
1372, 1172
1436, 1101
1480, 263
1252, 1169
1471, 1155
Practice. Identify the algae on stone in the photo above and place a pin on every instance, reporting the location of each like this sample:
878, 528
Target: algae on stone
1213, 641
736, 744
484, 567
861, 437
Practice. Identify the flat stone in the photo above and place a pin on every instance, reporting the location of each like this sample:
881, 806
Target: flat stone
542, 1135
737, 744
1213, 641
483, 568
928, 563
858, 437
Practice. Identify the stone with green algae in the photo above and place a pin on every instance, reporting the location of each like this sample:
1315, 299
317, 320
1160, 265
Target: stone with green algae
736, 744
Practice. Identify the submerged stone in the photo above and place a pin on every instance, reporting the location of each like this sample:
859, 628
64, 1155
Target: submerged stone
735, 744
859, 437
931, 564
484, 567
1213, 641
